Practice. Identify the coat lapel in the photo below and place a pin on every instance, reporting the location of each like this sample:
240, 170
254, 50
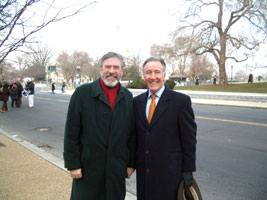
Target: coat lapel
120, 96
97, 92
142, 109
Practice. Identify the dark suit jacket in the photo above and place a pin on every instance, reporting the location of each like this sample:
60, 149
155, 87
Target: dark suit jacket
166, 147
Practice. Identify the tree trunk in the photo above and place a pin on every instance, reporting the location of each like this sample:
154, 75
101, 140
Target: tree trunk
222, 73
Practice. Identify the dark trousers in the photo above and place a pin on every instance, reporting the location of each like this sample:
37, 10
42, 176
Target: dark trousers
4, 106
12, 102
19, 102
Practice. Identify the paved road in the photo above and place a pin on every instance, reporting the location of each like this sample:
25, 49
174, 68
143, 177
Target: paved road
232, 152
231, 156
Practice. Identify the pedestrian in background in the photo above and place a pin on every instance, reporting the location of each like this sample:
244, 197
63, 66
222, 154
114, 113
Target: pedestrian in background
63, 87
214, 79
20, 90
30, 89
99, 144
250, 78
5, 96
166, 137
14, 94
53, 88
197, 81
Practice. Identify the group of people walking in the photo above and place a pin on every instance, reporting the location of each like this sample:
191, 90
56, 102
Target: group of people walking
53, 87
15, 91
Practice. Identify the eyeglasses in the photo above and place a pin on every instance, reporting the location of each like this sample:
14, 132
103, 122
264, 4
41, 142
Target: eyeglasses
115, 67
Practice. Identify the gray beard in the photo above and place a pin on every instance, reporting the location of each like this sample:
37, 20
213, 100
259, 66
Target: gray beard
110, 84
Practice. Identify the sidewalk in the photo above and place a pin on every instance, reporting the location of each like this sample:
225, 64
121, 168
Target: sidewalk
221, 102
25, 175
27, 172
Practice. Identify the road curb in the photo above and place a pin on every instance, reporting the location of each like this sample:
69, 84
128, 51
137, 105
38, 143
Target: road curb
42, 153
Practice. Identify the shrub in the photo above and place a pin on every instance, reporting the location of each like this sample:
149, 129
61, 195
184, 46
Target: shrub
137, 84
170, 83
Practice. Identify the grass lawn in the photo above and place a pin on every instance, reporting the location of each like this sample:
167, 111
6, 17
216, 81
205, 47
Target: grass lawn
244, 87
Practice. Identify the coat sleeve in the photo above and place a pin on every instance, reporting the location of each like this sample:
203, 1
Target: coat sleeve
132, 145
72, 144
188, 129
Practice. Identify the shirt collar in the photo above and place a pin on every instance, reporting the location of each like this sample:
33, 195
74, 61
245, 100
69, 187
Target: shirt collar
158, 93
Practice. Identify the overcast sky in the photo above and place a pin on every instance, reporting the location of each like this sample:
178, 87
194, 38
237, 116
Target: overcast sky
128, 27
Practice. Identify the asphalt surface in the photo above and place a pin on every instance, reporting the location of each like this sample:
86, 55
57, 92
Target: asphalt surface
29, 172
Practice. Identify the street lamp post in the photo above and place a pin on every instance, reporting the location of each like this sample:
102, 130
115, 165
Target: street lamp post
48, 73
231, 74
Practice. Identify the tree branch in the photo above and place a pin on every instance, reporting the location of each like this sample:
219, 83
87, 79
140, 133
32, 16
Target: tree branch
11, 21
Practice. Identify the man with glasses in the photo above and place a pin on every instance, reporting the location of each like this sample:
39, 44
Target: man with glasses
99, 143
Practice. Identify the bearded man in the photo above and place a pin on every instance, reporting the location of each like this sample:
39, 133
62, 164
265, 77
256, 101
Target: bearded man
99, 142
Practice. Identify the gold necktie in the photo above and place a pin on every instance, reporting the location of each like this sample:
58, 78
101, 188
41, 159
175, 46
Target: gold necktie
151, 108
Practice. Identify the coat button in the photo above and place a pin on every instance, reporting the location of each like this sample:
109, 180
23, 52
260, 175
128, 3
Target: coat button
147, 151
147, 133
147, 170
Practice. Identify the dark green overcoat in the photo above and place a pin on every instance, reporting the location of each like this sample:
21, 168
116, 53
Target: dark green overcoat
100, 141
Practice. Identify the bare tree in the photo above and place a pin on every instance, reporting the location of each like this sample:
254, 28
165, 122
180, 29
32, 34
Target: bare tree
21, 66
37, 60
232, 29
64, 62
132, 70
20, 20
92, 70
241, 75
200, 68
78, 63
175, 53
7, 72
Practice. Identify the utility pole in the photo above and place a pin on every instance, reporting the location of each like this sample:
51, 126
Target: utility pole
232, 74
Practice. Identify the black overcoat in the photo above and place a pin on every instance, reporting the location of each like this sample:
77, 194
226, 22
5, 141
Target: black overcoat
166, 147
5, 94
100, 141
30, 87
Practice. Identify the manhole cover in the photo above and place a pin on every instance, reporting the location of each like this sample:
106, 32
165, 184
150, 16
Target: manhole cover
43, 129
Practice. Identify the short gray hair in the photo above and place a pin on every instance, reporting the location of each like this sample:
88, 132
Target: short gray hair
111, 55
161, 60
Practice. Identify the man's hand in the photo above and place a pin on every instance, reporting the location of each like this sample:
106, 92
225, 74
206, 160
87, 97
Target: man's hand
76, 173
129, 172
188, 179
